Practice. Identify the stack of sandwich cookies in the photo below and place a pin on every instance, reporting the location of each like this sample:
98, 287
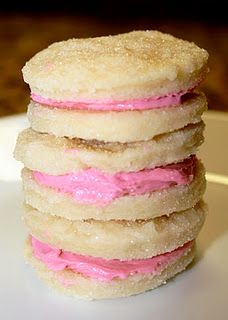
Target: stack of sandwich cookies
113, 188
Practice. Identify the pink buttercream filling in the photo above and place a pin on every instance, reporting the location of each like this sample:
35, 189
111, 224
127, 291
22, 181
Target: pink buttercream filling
172, 99
91, 186
103, 269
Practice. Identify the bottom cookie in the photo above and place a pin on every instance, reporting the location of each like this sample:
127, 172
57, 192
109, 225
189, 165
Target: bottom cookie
73, 283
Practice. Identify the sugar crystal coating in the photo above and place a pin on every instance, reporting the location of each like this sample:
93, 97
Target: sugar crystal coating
131, 65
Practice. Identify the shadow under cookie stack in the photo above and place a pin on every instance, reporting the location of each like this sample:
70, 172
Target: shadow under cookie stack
112, 186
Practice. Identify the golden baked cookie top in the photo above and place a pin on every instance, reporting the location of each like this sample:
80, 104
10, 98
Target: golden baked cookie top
138, 64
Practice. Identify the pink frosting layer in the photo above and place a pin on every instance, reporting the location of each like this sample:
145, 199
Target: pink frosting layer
91, 186
103, 269
172, 99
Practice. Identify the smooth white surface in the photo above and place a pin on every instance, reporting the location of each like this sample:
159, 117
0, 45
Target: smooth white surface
199, 293
9, 129
214, 150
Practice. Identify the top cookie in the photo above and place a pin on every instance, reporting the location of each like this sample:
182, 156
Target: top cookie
138, 64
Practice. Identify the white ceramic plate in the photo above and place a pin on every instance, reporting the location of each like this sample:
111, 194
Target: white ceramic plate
199, 293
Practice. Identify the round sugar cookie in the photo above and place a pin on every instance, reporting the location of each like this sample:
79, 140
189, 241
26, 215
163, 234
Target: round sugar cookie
54, 155
149, 205
75, 284
112, 126
137, 64
140, 239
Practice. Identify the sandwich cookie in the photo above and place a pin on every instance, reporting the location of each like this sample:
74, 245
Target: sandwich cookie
140, 239
96, 278
83, 82
93, 194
